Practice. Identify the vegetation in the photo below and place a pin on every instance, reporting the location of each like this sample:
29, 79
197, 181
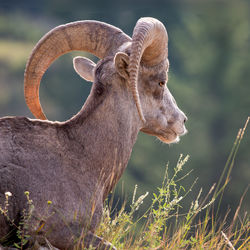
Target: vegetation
164, 227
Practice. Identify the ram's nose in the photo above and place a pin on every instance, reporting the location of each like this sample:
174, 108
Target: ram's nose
183, 121
184, 118
177, 123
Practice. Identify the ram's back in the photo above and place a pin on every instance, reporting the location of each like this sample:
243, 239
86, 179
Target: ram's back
29, 157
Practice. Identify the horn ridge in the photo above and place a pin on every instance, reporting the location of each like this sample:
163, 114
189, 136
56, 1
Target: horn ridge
149, 46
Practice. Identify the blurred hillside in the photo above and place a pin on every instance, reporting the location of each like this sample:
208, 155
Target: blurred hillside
209, 53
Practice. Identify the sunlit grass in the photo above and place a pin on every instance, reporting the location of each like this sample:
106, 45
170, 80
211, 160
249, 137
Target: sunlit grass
164, 227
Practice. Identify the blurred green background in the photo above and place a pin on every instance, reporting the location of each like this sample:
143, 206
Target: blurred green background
209, 53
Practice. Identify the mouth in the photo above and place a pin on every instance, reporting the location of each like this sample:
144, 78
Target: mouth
170, 136
167, 136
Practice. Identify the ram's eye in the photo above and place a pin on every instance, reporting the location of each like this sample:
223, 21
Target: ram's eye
162, 83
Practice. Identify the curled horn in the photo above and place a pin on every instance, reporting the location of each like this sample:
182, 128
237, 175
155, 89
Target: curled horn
95, 37
149, 47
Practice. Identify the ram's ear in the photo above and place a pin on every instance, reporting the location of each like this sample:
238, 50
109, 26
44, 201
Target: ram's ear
84, 67
121, 63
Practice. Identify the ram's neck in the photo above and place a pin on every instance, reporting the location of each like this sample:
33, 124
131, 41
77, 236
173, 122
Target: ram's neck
107, 130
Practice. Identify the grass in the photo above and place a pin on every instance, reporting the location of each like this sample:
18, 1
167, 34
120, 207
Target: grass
163, 225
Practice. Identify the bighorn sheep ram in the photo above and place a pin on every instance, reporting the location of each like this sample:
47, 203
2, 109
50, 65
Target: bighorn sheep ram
75, 164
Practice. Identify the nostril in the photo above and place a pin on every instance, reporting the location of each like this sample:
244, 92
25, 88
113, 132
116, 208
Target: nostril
185, 119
